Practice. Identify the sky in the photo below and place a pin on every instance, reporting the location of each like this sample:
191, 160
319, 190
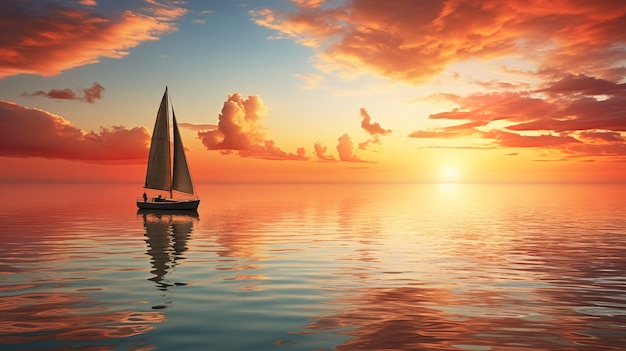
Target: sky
316, 91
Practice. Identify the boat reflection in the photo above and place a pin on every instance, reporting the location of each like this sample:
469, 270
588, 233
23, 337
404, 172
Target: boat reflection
167, 233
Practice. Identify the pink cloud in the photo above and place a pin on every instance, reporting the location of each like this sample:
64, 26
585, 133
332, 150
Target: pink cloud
61, 94
30, 132
603, 136
508, 139
437, 134
617, 150
89, 95
580, 109
501, 85
50, 38
586, 113
454, 131
514, 106
576, 49
583, 85
239, 128
577, 107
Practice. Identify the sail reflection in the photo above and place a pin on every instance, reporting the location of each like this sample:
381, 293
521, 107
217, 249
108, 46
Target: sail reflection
167, 233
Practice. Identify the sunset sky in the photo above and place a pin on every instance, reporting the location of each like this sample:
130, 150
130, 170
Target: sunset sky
313, 90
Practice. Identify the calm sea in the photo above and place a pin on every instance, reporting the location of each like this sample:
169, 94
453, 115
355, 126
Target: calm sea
315, 267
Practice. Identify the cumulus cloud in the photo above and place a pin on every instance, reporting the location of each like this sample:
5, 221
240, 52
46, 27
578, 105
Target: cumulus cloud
320, 152
31, 132
89, 95
578, 49
60, 37
240, 129
564, 89
346, 150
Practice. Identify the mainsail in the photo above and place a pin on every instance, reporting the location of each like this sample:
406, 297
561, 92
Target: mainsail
181, 179
158, 175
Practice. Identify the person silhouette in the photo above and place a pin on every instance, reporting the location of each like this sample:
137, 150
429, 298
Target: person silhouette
145, 197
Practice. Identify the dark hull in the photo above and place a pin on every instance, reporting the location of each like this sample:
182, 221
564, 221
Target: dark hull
169, 205
185, 213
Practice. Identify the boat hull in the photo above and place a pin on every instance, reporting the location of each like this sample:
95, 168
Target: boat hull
169, 205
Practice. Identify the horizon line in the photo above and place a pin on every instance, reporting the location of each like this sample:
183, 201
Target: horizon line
322, 182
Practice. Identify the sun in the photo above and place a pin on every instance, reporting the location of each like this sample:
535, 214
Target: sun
450, 174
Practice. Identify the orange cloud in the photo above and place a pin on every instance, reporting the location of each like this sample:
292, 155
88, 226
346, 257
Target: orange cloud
309, 3
507, 139
51, 38
89, 95
239, 129
346, 150
586, 113
581, 103
269, 151
416, 40
320, 152
197, 127
30, 132
603, 136
582, 85
576, 49
372, 128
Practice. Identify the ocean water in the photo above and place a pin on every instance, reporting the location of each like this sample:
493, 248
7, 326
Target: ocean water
315, 267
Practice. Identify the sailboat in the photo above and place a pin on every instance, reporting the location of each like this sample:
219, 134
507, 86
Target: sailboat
167, 173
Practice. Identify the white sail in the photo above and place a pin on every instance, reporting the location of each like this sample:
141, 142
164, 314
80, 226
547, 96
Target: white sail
181, 179
158, 175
